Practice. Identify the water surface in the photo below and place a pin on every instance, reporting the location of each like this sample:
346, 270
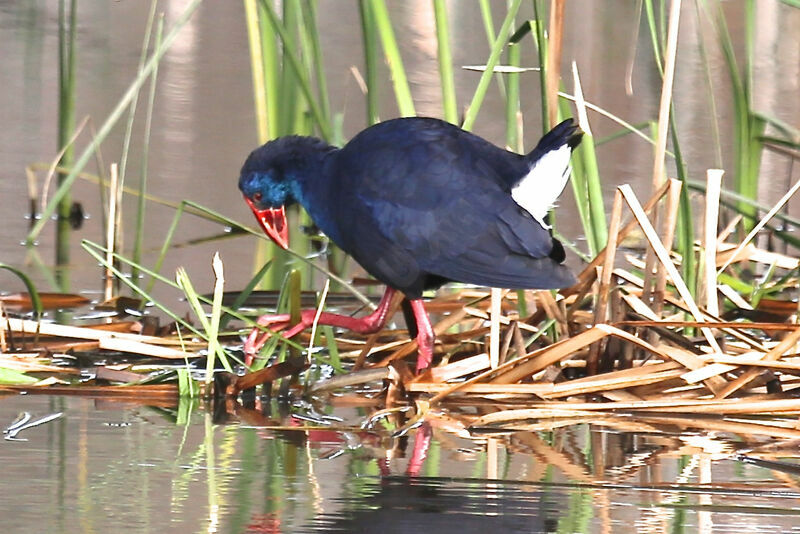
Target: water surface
109, 465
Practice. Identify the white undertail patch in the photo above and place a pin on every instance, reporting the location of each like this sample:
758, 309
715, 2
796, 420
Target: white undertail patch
538, 190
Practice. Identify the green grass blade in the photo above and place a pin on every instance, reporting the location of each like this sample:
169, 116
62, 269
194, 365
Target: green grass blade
656, 41
185, 387
214, 345
538, 27
126, 141
271, 56
67, 24
292, 106
241, 298
10, 377
36, 301
333, 349
193, 298
685, 225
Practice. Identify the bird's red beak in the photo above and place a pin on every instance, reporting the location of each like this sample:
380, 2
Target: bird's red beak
273, 221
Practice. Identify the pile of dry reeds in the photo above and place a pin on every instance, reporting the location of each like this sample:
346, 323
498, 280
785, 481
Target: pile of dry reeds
617, 341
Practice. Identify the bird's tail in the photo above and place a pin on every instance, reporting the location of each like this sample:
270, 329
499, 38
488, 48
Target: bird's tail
548, 172
565, 133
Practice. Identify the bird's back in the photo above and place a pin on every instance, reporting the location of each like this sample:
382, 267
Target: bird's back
420, 201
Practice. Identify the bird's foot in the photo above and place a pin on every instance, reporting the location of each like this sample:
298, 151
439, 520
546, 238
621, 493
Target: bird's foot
274, 324
282, 323
425, 336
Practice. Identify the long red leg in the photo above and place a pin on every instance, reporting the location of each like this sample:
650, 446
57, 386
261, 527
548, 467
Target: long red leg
425, 335
422, 444
364, 325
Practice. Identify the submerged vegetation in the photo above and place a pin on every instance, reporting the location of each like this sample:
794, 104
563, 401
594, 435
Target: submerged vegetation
680, 325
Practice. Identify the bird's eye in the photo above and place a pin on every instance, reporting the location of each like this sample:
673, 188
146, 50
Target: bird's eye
257, 197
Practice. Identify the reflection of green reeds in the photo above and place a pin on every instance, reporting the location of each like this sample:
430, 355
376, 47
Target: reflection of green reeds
138, 241
64, 187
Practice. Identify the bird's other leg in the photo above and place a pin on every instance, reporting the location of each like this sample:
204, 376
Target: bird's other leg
425, 335
364, 325
422, 444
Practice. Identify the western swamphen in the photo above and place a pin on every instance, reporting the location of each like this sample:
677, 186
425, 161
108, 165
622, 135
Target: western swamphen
418, 202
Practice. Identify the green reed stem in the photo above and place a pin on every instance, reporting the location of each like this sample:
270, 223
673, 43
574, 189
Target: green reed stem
255, 39
290, 53
67, 23
494, 57
369, 35
402, 91
449, 102
488, 26
513, 117
318, 65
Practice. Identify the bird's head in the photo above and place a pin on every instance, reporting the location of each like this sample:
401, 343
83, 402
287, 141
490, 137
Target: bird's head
270, 180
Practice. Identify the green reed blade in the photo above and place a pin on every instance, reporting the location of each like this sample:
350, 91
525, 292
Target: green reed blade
447, 80
244, 294
36, 301
370, 42
317, 63
488, 26
494, 57
291, 53
402, 91
257, 70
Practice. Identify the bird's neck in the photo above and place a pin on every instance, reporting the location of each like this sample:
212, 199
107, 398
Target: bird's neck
308, 161
312, 186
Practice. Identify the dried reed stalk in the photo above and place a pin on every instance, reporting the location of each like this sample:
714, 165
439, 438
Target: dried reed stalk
601, 306
666, 93
789, 342
713, 187
111, 232
663, 257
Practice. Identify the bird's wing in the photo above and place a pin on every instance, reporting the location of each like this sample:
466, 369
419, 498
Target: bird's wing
434, 201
